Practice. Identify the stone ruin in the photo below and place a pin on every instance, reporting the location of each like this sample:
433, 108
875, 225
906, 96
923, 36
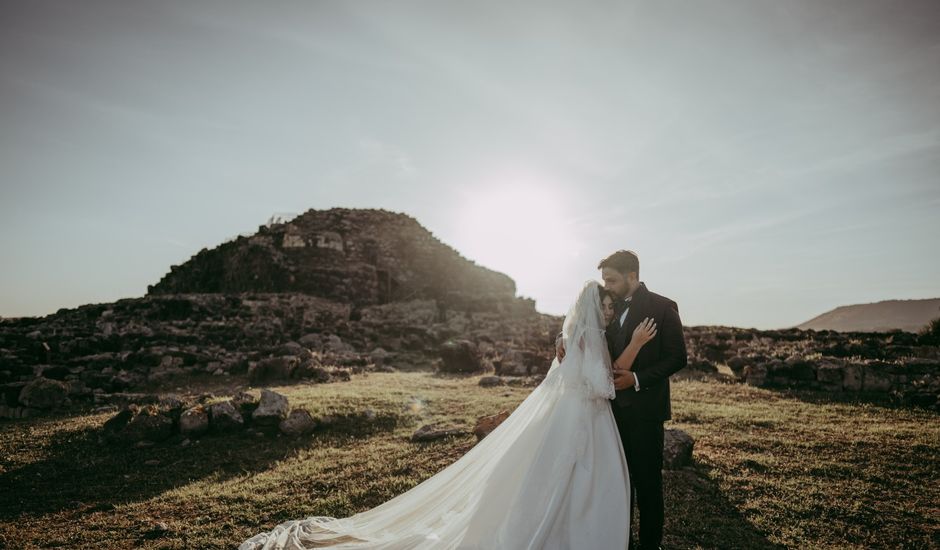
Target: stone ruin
903, 366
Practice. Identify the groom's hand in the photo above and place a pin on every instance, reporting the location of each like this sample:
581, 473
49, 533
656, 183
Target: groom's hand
560, 347
623, 379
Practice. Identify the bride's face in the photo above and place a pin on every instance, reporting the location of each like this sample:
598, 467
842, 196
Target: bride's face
607, 308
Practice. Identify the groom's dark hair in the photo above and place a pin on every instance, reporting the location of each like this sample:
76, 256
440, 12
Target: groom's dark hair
623, 261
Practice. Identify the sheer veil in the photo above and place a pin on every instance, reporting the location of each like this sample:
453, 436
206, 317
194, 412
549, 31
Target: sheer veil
587, 361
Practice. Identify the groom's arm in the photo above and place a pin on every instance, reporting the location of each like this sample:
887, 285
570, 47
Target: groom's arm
673, 357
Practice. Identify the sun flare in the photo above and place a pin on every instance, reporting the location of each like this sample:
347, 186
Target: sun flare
519, 228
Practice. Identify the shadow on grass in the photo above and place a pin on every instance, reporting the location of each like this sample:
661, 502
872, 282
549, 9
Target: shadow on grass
80, 471
699, 516
875, 399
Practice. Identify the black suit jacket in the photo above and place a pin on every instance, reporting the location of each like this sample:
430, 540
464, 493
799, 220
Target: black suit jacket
657, 360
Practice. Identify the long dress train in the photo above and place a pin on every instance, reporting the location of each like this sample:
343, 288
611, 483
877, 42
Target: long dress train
552, 475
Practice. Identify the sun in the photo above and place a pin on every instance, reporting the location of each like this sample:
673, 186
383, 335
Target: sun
519, 228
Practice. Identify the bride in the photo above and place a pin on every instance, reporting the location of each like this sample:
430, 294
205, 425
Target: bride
551, 476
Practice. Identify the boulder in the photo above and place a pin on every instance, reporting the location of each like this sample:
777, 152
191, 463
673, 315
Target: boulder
755, 375
487, 424
490, 381
43, 393
335, 343
194, 421
271, 409
225, 416
246, 402
126, 379
297, 423
517, 362
292, 349
797, 368
312, 370
460, 356
430, 432
677, 449
852, 377
379, 356
876, 377
737, 365
830, 376
272, 369
134, 424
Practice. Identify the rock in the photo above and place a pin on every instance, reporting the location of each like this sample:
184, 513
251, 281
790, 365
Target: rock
703, 366
429, 432
737, 365
134, 424
460, 356
292, 349
755, 375
271, 410
829, 376
526, 381
798, 369
194, 421
335, 344
312, 370
246, 402
43, 393
157, 529
677, 449
852, 377
10, 393
490, 381
516, 362
224, 416
311, 341
54, 372
379, 356
272, 369
487, 424
876, 377
170, 402
298, 422
126, 379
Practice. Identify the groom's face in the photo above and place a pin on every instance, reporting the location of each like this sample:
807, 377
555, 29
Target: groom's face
616, 282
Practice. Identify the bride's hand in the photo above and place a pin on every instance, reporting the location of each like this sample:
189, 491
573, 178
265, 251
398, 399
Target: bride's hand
644, 332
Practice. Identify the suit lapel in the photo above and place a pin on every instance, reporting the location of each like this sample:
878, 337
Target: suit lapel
634, 315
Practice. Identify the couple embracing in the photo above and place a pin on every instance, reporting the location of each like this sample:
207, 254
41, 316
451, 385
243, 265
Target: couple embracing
565, 469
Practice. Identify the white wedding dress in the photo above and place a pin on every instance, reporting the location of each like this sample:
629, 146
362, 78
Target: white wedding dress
552, 475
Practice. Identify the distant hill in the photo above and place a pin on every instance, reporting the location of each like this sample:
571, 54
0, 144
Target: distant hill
907, 315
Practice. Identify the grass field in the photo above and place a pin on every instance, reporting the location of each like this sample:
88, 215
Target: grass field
772, 470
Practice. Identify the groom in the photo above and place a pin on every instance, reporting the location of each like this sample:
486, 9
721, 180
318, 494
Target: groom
641, 403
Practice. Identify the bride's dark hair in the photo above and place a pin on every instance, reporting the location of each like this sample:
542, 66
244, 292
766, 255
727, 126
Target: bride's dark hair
602, 293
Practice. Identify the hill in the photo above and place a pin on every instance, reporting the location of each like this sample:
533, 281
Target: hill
906, 315
358, 256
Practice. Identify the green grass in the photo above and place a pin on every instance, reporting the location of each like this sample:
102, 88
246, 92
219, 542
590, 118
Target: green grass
772, 469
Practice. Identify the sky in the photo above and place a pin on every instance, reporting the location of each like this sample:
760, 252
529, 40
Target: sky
767, 160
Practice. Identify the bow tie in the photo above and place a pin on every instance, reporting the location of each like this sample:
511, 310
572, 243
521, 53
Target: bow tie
620, 306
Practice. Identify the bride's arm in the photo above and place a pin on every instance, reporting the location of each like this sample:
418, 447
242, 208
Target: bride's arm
644, 332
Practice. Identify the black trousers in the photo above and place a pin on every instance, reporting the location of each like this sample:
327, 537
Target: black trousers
643, 446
